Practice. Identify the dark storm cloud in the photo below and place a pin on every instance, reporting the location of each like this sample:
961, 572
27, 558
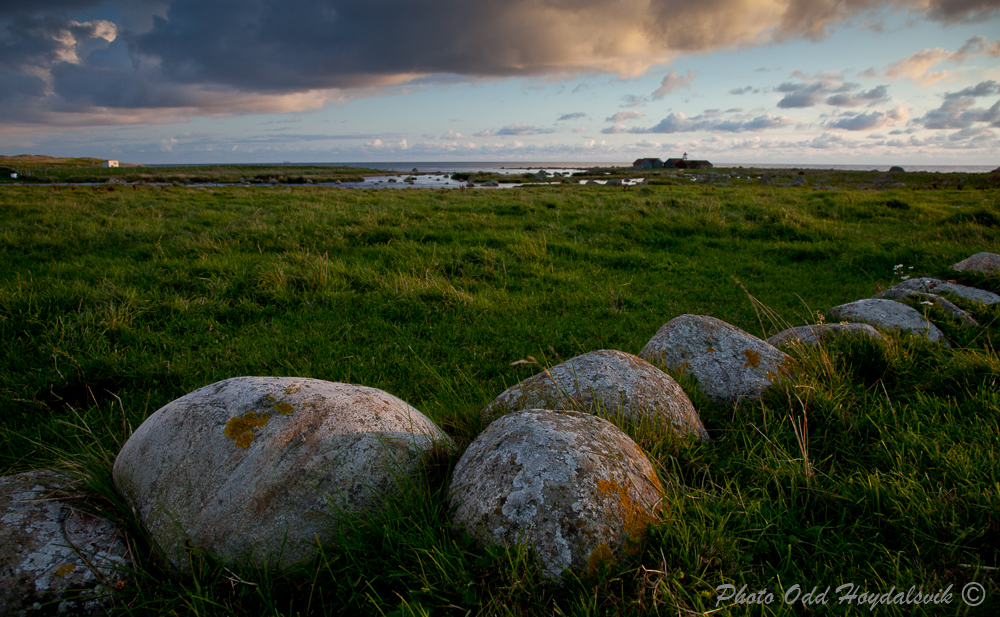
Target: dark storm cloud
962, 10
252, 55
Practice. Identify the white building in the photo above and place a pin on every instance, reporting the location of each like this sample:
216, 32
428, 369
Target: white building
109, 164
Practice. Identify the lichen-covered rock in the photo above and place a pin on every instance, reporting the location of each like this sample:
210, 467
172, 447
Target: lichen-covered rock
730, 364
935, 286
987, 263
887, 314
813, 335
54, 559
899, 293
570, 485
606, 382
260, 468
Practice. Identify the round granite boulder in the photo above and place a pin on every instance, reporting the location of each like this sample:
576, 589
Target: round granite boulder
730, 364
260, 468
608, 383
987, 263
887, 314
54, 558
815, 334
569, 485
935, 286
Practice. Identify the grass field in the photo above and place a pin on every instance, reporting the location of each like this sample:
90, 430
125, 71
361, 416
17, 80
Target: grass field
115, 302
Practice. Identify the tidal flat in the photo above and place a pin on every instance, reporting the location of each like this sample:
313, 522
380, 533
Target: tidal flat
877, 465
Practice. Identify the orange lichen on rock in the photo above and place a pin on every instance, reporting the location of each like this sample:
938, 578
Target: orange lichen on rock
284, 408
600, 557
635, 517
242, 429
753, 359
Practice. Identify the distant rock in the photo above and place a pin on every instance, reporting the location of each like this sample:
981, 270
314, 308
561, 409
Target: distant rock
887, 314
898, 293
570, 485
54, 558
896, 169
606, 382
247, 468
814, 335
935, 286
987, 263
730, 364
765, 180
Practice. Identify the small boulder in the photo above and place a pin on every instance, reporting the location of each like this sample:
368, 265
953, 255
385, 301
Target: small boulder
898, 293
814, 335
896, 169
730, 364
260, 468
54, 558
887, 314
570, 485
765, 180
935, 286
987, 263
606, 382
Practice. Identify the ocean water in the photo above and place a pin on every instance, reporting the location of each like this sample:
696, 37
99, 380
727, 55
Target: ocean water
517, 167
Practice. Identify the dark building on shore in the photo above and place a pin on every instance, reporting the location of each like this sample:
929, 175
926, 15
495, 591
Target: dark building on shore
686, 164
647, 164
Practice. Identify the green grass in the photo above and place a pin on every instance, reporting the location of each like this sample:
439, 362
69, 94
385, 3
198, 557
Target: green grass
877, 465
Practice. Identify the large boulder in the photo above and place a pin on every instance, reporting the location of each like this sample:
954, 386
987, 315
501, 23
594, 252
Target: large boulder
887, 314
54, 558
730, 364
608, 383
257, 469
935, 286
898, 293
570, 485
815, 334
987, 263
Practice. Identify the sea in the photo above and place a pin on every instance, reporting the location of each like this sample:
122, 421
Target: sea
516, 167
437, 174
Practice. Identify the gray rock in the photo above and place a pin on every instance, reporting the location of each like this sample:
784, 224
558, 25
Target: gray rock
887, 314
54, 558
259, 468
898, 293
606, 382
813, 335
570, 485
729, 363
765, 180
935, 286
987, 263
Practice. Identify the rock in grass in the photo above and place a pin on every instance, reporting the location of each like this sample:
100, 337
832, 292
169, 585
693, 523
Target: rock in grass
987, 263
54, 558
935, 286
730, 364
898, 293
260, 468
569, 485
608, 383
813, 335
887, 314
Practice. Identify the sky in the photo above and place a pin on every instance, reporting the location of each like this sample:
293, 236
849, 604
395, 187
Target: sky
738, 81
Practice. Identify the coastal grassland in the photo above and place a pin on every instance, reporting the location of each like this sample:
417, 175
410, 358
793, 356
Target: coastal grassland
876, 466
47, 170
